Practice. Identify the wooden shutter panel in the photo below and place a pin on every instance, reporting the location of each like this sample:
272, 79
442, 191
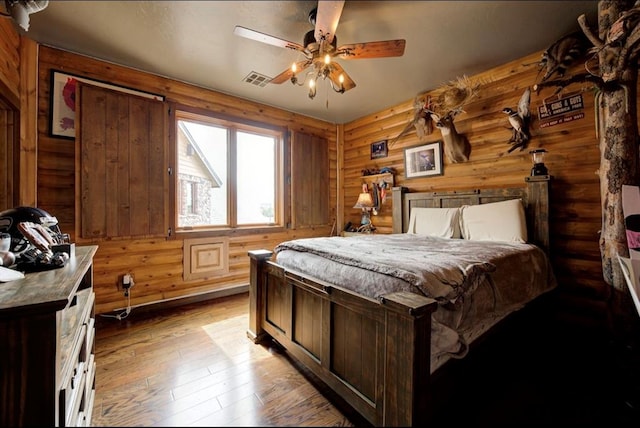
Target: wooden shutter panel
122, 178
309, 181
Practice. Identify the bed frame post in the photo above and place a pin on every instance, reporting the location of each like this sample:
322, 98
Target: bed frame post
538, 210
256, 301
398, 207
407, 396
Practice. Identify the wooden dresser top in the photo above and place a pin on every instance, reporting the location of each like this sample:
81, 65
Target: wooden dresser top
48, 290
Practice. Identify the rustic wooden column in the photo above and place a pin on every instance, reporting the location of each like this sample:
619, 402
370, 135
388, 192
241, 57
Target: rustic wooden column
617, 127
399, 211
406, 394
538, 202
256, 300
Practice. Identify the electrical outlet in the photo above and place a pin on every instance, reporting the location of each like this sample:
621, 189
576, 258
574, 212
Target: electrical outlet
127, 283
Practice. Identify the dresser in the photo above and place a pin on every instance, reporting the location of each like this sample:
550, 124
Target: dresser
47, 331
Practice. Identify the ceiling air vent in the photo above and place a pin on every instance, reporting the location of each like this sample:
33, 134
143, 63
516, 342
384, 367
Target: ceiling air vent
257, 79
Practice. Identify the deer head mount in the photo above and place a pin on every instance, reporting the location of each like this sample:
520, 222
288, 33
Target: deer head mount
442, 108
456, 146
445, 108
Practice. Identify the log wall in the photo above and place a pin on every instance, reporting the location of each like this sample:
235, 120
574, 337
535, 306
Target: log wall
10, 60
573, 160
156, 264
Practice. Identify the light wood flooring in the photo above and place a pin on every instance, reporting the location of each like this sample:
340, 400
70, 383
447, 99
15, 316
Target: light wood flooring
195, 366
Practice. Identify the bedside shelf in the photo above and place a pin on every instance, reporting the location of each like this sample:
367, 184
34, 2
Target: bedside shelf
377, 178
344, 233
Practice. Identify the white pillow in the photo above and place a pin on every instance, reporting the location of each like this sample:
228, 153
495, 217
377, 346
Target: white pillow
441, 222
496, 221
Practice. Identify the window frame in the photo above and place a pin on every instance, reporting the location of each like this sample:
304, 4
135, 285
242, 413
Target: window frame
181, 112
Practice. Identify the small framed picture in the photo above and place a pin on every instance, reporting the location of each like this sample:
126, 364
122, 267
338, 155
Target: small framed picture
379, 149
424, 160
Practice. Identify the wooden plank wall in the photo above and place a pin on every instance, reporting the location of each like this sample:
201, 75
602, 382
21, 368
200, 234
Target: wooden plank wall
9, 102
155, 263
9, 61
573, 161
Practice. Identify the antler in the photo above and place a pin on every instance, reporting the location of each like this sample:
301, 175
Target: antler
449, 103
454, 96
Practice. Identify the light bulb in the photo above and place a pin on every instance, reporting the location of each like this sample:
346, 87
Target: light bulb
327, 59
294, 68
312, 88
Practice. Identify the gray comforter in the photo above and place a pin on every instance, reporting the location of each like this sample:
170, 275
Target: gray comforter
476, 283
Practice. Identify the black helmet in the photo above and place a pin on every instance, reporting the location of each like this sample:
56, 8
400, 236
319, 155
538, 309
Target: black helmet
10, 219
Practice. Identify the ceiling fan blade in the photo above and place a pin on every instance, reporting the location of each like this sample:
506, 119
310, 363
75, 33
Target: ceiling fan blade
286, 75
265, 38
334, 75
327, 19
381, 49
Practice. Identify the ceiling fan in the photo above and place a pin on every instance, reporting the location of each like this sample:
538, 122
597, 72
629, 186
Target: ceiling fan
320, 47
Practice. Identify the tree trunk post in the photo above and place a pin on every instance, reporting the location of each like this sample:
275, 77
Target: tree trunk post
618, 139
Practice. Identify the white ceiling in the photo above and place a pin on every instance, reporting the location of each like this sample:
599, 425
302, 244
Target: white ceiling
193, 41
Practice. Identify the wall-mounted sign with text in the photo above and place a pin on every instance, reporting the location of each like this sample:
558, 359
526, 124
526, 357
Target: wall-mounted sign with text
562, 110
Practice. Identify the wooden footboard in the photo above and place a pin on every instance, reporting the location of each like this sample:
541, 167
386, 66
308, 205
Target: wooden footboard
375, 355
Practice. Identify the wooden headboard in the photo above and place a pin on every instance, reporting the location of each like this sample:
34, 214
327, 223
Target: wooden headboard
534, 195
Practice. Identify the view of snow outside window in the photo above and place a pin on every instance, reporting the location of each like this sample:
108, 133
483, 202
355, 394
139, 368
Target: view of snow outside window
207, 164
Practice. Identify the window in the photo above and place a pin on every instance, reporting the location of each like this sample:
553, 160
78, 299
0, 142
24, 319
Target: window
229, 173
188, 194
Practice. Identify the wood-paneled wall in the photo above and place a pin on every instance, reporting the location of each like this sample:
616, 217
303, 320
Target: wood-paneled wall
10, 61
573, 159
156, 264
9, 107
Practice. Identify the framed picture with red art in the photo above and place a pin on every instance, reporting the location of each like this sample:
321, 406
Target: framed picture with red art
63, 101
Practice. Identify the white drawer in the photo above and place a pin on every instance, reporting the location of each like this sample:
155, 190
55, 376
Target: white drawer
72, 395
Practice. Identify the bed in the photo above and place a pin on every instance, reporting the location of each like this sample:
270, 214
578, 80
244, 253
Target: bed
375, 317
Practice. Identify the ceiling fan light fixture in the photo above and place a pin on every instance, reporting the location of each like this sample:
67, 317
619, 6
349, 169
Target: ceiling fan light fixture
312, 88
322, 70
340, 89
320, 46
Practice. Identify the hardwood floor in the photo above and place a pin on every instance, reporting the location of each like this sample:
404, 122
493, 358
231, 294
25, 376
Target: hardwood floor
195, 366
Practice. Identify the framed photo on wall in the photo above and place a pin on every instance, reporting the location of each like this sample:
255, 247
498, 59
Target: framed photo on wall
63, 101
424, 160
379, 149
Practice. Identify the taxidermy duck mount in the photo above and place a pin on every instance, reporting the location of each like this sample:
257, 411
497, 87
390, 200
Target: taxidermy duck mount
519, 120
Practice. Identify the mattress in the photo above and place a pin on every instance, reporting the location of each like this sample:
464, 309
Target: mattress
476, 283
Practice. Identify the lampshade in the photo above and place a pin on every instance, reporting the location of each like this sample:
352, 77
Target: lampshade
537, 156
365, 201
